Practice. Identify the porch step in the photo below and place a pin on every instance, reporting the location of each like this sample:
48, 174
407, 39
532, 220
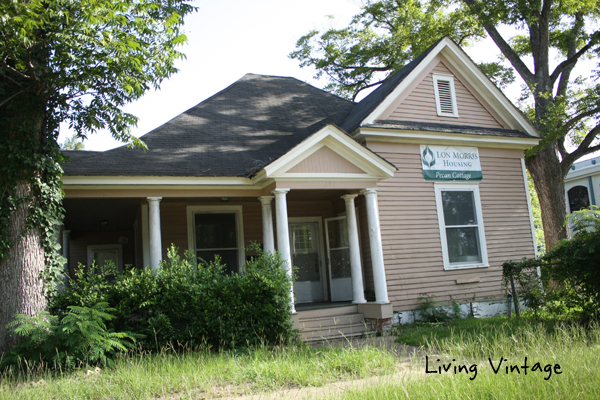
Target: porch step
332, 324
333, 321
327, 312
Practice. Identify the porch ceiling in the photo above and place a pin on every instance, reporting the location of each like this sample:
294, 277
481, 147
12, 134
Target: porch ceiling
85, 215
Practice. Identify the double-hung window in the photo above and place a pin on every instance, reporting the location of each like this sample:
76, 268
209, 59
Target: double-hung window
461, 226
217, 231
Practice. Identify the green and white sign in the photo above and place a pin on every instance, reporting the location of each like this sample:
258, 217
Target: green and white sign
449, 163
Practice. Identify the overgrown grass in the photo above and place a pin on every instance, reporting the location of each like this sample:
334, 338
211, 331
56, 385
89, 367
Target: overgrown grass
198, 374
574, 348
422, 333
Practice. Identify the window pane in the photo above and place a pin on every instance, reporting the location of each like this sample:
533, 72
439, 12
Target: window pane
214, 231
459, 208
337, 232
463, 245
578, 198
102, 257
228, 258
306, 267
302, 239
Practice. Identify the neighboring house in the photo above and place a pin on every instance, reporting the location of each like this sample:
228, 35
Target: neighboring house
582, 185
417, 190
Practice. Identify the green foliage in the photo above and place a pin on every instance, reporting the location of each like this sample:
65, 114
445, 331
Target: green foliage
197, 305
571, 272
78, 62
537, 215
80, 337
431, 310
72, 143
379, 41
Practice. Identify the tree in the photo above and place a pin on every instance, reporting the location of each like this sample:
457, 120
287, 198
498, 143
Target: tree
563, 106
72, 143
65, 60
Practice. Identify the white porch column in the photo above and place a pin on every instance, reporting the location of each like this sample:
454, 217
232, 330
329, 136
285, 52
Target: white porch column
155, 234
66, 244
381, 295
358, 290
267, 224
283, 236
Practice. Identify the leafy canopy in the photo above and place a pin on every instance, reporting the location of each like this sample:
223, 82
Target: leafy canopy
77, 61
88, 58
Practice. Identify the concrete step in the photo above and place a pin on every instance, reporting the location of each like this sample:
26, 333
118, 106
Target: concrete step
335, 332
316, 340
327, 312
326, 322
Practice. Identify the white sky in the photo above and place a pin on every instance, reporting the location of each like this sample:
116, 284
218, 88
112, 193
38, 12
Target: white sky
230, 38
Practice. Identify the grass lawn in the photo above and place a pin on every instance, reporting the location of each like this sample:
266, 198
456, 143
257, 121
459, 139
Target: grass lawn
473, 343
201, 374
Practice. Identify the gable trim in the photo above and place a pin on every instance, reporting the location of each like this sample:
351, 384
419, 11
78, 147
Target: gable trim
486, 90
336, 140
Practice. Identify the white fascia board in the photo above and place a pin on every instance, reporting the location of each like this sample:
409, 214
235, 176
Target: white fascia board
427, 137
485, 88
328, 176
582, 173
337, 141
153, 181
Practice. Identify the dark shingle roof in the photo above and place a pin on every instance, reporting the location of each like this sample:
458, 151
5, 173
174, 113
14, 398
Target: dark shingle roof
233, 133
448, 128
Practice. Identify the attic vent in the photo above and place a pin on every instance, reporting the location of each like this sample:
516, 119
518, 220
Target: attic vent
445, 98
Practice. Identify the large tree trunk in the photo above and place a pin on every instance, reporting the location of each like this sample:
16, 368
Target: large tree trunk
21, 284
545, 169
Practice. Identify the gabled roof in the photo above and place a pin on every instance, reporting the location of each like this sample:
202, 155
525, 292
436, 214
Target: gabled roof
372, 107
236, 132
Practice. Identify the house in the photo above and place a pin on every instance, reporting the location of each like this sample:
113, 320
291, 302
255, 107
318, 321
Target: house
582, 185
417, 190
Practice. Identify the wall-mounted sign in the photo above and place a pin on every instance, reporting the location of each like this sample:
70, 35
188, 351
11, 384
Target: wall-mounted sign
449, 163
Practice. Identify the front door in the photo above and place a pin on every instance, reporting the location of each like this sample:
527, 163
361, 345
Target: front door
338, 253
306, 261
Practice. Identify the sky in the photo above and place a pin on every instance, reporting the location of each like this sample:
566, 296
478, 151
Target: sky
230, 38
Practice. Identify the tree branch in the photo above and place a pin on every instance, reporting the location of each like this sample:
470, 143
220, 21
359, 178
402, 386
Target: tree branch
571, 61
567, 126
565, 75
583, 149
366, 87
504, 47
11, 97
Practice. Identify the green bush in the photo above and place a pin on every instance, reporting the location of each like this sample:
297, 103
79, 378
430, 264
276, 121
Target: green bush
182, 303
80, 337
431, 310
571, 272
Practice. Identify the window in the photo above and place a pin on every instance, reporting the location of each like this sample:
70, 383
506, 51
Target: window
578, 198
100, 254
445, 98
461, 226
217, 230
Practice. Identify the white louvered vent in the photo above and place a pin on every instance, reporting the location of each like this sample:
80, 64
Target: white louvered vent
444, 96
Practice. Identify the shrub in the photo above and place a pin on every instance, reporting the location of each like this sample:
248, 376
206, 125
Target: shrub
80, 337
184, 303
573, 267
431, 310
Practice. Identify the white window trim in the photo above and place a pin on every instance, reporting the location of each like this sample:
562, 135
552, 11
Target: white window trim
450, 79
218, 209
446, 186
95, 247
